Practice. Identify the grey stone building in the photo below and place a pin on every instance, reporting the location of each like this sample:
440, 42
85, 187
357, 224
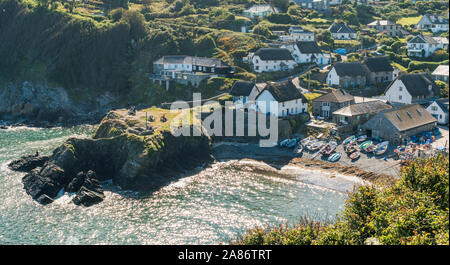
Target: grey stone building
379, 70
354, 115
401, 123
325, 105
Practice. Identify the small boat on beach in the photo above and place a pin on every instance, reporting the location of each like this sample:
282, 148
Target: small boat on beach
305, 141
319, 136
334, 157
291, 143
355, 155
298, 149
370, 148
329, 148
349, 140
381, 148
315, 146
364, 145
361, 138
283, 143
349, 149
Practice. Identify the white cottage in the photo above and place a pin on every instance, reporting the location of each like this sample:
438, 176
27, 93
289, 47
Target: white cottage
244, 92
341, 31
289, 99
309, 51
412, 88
300, 34
424, 46
439, 110
271, 60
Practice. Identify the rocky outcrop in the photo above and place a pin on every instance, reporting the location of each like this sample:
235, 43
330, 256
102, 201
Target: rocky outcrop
139, 161
28, 162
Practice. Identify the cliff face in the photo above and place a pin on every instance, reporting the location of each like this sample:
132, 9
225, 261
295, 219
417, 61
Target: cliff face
34, 102
122, 150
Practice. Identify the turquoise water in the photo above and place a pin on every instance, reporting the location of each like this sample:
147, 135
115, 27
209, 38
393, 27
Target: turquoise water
207, 207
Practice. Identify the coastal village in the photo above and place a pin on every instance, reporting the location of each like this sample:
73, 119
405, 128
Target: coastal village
350, 103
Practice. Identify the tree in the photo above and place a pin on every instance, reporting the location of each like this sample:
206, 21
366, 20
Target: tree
281, 4
443, 88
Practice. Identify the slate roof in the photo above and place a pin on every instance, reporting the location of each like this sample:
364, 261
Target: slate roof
428, 39
408, 117
378, 64
336, 95
418, 85
435, 19
272, 54
185, 59
242, 88
298, 29
363, 108
441, 70
349, 69
308, 47
284, 91
340, 28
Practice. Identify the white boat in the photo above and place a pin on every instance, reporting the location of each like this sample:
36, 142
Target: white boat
307, 140
334, 157
381, 148
361, 138
349, 140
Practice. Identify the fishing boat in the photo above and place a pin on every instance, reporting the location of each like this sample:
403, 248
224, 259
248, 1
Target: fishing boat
298, 149
370, 148
291, 143
319, 136
351, 148
305, 141
355, 155
283, 143
361, 138
381, 148
329, 148
349, 140
364, 145
316, 146
334, 157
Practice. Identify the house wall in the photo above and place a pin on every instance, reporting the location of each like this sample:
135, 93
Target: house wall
415, 49
441, 78
291, 107
344, 36
352, 81
326, 109
302, 36
398, 93
333, 78
440, 115
271, 66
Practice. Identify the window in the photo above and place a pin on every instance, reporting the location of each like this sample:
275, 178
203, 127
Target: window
400, 97
400, 89
434, 108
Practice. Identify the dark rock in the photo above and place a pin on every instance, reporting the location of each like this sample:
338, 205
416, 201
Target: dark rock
27, 163
76, 182
88, 197
90, 192
45, 181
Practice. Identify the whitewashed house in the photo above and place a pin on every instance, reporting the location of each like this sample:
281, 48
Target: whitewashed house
271, 60
289, 100
257, 11
439, 110
441, 73
412, 88
424, 46
300, 34
244, 93
341, 31
434, 23
309, 51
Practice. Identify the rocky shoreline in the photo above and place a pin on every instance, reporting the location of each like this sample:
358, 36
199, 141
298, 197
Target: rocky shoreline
120, 151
